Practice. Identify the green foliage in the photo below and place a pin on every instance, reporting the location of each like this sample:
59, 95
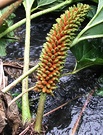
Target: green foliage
92, 12
7, 23
90, 52
94, 28
44, 4
3, 44
18, 102
100, 91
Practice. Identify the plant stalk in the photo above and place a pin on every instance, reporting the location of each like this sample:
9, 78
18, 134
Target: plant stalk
11, 85
40, 111
20, 95
26, 116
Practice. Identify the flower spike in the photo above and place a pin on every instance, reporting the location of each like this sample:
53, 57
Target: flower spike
54, 51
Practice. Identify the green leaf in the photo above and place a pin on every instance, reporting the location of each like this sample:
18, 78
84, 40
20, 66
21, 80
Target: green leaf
3, 44
94, 28
7, 23
100, 92
88, 53
44, 4
92, 12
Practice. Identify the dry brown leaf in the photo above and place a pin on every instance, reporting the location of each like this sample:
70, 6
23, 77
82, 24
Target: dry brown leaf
9, 115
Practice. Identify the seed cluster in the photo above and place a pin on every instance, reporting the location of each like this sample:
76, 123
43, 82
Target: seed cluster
54, 51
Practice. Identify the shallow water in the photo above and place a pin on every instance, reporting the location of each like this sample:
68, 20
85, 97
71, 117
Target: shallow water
62, 121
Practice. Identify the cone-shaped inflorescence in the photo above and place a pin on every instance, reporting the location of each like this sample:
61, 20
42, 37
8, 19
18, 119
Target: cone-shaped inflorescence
55, 49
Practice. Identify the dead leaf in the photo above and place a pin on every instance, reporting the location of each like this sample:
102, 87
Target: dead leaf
9, 115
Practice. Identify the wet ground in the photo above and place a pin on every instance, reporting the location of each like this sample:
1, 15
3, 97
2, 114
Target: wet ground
62, 121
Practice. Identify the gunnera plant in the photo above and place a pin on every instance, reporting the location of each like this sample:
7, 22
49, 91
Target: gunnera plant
54, 51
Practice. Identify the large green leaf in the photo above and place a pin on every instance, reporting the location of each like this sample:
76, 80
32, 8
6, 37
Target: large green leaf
44, 4
92, 12
94, 28
88, 53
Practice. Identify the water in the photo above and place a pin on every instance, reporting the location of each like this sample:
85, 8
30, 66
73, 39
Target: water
62, 121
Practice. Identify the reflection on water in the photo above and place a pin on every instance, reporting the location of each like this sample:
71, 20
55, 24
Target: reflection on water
62, 121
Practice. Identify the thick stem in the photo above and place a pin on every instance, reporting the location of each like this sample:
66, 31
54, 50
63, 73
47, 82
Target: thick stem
40, 112
11, 85
25, 101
